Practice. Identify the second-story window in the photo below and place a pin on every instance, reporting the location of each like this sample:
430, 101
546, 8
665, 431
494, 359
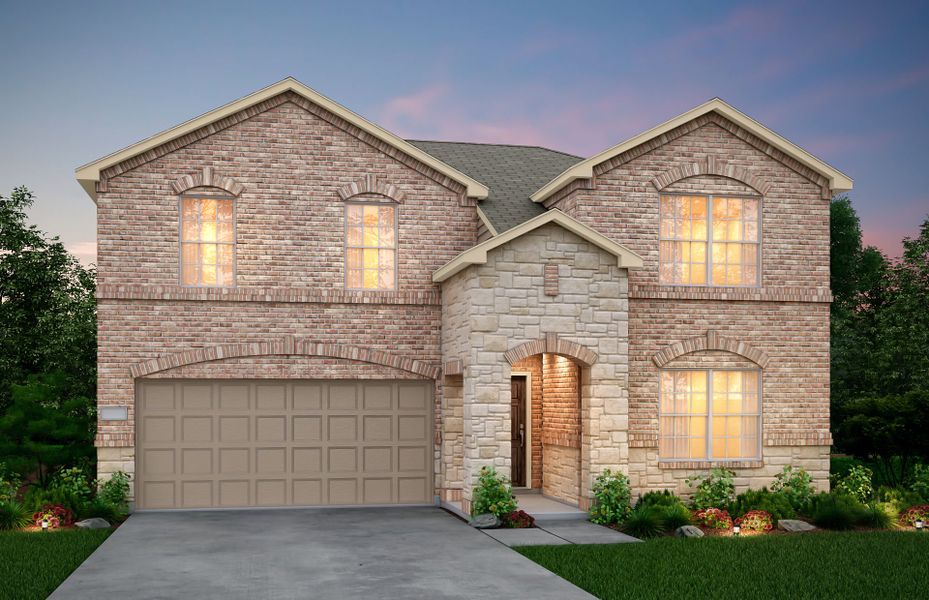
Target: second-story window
371, 246
709, 240
207, 241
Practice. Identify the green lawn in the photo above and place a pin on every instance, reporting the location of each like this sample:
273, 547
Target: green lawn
33, 564
823, 565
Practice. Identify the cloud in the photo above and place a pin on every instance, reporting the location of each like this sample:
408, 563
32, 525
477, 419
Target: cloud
86, 252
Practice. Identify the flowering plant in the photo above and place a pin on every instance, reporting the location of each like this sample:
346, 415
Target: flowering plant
492, 494
519, 519
56, 515
714, 518
756, 520
920, 512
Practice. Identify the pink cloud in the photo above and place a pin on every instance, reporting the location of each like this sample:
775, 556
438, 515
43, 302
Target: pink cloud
86, 252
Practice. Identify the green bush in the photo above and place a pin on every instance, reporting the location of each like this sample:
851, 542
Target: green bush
492, 494
115, 491
662, 498
74, 481
897, 499
102, 510
36, 497
611, 498
644, 522
879, 515
674, 516
10, 482
796, 484
714, 489
13, 515
836, 511
920, 483
856, 483
777, 504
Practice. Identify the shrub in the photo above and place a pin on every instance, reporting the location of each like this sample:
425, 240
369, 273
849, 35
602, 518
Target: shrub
920, 483
644, 522
756, 520
675, 515
13, 515
102, 510
714, 518
519, 519
897, 499
10, 482
56, 515
73, 481
36, 497
611, 498
796, 484
714, 489
919, 512
115, 491
856, 483
662, 498
879, 515
492, 494
836, 511
777, 504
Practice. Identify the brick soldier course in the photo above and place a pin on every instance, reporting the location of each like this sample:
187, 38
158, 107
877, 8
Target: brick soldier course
554, 274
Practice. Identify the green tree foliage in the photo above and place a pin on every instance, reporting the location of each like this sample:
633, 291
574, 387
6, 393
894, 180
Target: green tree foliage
46, 427
47, 345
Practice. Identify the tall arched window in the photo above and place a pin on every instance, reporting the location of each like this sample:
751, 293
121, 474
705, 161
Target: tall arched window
371, 246
207, 240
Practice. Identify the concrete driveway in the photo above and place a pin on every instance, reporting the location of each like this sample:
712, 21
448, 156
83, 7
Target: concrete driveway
312, 553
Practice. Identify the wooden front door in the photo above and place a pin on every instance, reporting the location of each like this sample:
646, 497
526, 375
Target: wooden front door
518, 430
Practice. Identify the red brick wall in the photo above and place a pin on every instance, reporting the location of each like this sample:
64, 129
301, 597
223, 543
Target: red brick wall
292, 162
561, 411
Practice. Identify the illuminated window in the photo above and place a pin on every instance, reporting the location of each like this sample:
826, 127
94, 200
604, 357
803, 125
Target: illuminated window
207, 241
371, 246
709, 240
709, 415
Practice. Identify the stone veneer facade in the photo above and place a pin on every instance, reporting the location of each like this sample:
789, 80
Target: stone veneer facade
546, 299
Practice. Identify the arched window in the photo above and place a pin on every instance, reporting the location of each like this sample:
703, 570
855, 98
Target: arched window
370, 246
208, 243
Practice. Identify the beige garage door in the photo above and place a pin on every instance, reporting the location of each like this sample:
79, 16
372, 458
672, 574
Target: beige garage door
227, 443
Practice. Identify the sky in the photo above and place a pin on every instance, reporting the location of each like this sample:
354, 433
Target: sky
847, 81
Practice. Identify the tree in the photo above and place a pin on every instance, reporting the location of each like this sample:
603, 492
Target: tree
47, 306
46, 427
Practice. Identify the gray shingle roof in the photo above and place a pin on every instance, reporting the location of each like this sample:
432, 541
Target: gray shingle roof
512, 173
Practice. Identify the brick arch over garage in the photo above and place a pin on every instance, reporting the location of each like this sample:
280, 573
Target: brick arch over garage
552, 344
711, 341
285, 346
712, 166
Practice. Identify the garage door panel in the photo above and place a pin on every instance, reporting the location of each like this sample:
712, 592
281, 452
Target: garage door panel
276, 443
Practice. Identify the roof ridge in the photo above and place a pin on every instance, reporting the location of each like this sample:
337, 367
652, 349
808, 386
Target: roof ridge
412, 141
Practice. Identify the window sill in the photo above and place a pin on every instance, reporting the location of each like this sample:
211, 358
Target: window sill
753, 463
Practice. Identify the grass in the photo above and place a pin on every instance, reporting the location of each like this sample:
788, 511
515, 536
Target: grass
33, 564
884, 564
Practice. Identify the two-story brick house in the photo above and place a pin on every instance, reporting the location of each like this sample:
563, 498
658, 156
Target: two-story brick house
297, 307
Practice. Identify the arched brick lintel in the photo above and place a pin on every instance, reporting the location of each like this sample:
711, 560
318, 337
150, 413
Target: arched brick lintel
552, 344
371, 184
288, 346
207, 178
711, 166
711, 341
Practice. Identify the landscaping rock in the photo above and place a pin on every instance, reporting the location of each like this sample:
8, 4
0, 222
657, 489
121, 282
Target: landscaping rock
94, 523
793, 526
688, 531
485, 521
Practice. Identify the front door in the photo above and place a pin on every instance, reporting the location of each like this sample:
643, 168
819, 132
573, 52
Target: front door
518, 430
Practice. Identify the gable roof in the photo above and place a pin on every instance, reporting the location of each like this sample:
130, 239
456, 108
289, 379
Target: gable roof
88, 175
477, 255
838, 181
511, 172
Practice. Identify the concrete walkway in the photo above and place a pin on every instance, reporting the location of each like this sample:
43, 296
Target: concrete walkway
309, 553
559, 533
